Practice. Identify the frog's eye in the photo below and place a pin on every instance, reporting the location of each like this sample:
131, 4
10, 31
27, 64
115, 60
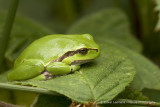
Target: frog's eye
83, 51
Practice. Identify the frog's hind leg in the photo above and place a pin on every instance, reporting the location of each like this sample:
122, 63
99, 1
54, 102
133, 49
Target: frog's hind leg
26, 70
60, 68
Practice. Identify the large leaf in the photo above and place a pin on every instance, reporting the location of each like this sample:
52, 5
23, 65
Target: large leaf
4, 85
108, 24
23, 33
147, 75
97, 81
132, 94
154, 95
95, 5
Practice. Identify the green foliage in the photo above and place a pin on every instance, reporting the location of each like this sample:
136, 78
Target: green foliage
100, 80
110, 31
108, 25
120, 64
24, 32
147, 75
146, 21
130, 93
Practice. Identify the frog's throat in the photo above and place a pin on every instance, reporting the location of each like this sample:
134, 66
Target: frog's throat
71, 53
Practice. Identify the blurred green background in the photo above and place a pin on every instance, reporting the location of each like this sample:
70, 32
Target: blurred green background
60, 15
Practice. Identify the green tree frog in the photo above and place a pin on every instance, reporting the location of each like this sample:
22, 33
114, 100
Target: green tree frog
54, 55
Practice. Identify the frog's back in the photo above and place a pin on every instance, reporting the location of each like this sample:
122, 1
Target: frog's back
53, 46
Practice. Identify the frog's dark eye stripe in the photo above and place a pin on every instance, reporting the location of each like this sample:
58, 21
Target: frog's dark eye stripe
82, 51
71, 53
67, 54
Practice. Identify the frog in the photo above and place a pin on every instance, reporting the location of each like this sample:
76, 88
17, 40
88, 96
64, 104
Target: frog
54, 55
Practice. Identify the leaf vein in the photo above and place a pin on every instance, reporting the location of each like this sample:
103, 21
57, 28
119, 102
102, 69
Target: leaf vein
89, 85
105, 76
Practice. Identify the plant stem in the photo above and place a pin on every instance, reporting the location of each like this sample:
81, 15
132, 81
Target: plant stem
26, 88
7, 29
133, 102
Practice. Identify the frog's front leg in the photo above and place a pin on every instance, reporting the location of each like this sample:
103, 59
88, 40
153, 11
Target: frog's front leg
56, 69
26, 70
60, 68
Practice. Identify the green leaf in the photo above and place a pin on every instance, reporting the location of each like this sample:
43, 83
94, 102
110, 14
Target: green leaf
107, 25
4, 84
132, 94
52, 101
154, 95
147, 73
108, 68
100, 80
23, 33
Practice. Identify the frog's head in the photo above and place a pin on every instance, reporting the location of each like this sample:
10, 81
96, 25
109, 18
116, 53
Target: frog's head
86, 51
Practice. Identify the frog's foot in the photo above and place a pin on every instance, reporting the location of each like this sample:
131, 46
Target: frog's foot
47, 75
60, 68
